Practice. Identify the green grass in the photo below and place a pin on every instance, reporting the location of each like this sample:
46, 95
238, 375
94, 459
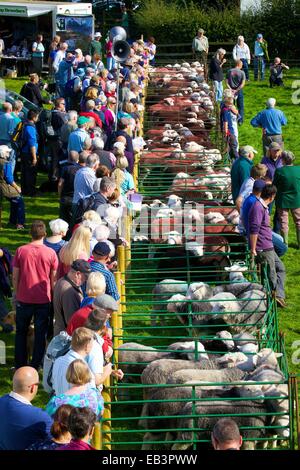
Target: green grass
46, 207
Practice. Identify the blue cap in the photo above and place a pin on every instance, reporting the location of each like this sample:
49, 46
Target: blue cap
259, 35
101, 249
259, 185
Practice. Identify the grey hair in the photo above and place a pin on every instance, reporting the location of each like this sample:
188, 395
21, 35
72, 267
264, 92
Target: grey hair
271, 102
240, 38
90, 104
107, 183
98, 143
288, 157
57, 226
92, 160
219, 52
17, 105
73, 156
83, 156
72, 115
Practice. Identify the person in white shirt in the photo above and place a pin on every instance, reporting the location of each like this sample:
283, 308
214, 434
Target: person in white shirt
2, 47
241, 52
60, 56
37, 55
200, 49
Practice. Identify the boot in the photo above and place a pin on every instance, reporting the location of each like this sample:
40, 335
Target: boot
285, 236
298, 238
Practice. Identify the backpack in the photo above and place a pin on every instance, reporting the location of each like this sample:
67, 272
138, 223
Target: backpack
17, 138
46, 127
84, 204
58, 346
69, 88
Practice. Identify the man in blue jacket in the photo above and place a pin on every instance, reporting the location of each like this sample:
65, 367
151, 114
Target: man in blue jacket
22, 424
271, 121
29, 153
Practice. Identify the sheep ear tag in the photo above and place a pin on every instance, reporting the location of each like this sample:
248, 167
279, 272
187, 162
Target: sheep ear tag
277, 355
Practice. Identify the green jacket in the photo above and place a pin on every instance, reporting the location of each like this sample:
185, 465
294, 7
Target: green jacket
240, 171
95, 48
287, 182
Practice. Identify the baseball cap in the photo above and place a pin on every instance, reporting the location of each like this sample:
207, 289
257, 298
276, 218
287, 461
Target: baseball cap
244, 151
98, 101
82, 120
105, 301
82, 266
101, 249
274, 146
259, 35
5, 148
259, 185
98, 35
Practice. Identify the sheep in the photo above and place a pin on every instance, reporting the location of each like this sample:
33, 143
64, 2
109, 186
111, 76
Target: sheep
251, 415
162, 292
198, 291
187, 350
232, 374
253, 301
237, 288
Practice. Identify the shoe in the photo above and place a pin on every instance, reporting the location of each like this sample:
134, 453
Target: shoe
20, 227
281, 302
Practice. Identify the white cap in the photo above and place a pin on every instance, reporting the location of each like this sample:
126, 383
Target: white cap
4, 148
98, 35
79, 51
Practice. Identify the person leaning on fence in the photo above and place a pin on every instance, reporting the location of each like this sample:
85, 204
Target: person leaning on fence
261, 244
236, 80
287, 182
200, 48
216, 73
226, 435
241, 52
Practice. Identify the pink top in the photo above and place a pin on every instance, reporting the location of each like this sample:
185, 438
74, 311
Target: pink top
108, 48
35, 264
76, 445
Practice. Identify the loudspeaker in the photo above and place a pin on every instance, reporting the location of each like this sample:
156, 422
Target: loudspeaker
117, 33
120, 50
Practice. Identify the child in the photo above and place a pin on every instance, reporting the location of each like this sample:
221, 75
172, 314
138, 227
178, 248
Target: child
81, 425
229, 123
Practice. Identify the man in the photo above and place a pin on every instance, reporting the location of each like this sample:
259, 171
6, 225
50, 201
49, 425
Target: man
276, 73
34, 271
226, 435
32, 91
261, 245
106, 158
67, 295
107, 187
104, 301
101, 254
7, 127
29, 154
95, 45
280, 246
200, 49
60, 56
85, 178
273, 159
17, 109
67, 128
22, 424
241, 169
66, 186
260, 55
10, 190
271, 121
64, 73
258, 172
236, 80
80, 138
229, 123
58, 119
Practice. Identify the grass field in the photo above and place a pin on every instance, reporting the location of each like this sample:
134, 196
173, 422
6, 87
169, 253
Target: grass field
46, 207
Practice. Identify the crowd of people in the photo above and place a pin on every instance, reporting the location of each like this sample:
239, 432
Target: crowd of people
64, 282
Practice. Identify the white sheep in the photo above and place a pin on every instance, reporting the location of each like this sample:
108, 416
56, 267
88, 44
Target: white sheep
198, 291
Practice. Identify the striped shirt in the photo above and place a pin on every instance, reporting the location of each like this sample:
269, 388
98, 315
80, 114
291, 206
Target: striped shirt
111, 286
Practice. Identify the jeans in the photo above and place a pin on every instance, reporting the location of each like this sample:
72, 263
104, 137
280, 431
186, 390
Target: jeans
28, 175
276, 271
3, 307
283, 218
279, 246
245, 68
233, 146
268, 139
41, 317
240, 105
17, 211
259, 67
65, 209
218, 89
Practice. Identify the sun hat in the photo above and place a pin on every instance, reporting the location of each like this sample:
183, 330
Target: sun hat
244, 151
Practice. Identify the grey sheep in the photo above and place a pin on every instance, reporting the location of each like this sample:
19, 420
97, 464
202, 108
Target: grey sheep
237, 288
162, 292
227, 375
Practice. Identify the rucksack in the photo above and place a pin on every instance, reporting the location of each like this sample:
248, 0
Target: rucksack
69, 88
58, 346
45, 120
17, 138
83, 205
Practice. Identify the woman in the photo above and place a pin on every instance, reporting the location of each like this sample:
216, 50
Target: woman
37, 54
216, 73
77, 248
59, 230
123, 178
241, 52
110, 61
59, 430
53, 48
287, 182
98, 63
80, 394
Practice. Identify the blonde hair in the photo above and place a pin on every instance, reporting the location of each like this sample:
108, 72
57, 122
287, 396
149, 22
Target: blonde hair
79, 242
92, 93
78, 373
92, 216
95, 285
81, 337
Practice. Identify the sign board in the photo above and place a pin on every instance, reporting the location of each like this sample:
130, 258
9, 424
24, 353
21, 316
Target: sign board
13, 10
